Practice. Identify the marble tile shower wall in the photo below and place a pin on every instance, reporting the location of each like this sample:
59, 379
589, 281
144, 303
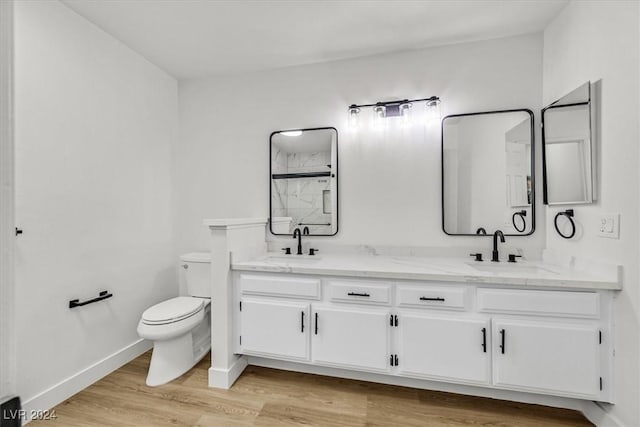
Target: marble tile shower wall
279, 186
308, 162
306, 204
306, 196
306, 200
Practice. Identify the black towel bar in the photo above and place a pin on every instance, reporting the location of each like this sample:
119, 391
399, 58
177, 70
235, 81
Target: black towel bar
76, 302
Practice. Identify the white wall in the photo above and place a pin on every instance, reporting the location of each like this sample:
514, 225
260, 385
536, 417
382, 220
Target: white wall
591, 41
389, 182
7, 236
95, 128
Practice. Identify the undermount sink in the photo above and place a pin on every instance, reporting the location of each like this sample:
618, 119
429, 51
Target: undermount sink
509, 268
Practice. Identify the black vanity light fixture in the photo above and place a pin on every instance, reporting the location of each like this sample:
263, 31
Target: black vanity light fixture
402, 109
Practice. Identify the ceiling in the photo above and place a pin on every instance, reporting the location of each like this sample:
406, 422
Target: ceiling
195, 38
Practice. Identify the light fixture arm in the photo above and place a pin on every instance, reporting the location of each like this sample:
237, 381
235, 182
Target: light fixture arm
396, 102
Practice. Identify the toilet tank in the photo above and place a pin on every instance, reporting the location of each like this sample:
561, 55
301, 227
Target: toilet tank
197, 273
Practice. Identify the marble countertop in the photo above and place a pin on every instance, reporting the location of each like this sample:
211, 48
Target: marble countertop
573, 275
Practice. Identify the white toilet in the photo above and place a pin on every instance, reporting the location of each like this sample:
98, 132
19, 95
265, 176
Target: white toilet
180, 328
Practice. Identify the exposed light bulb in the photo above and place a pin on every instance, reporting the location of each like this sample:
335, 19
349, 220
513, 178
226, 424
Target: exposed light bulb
292, 133
379, 113
433, 110
354, 118
405, 114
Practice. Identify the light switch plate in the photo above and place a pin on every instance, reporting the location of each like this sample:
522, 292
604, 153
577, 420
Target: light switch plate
609, 226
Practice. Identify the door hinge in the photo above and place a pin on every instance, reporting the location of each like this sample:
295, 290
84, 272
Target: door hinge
393, 360
599, 337
600, 383
393, 320
240, 305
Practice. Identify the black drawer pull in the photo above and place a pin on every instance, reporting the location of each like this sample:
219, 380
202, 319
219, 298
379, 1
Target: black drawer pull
316, 323
484, 340
357, 294
302, 322
431, 299
502, 339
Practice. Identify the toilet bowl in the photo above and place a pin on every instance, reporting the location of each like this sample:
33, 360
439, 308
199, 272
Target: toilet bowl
180, 327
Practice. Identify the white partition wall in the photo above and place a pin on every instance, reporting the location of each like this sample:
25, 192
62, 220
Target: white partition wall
240, 239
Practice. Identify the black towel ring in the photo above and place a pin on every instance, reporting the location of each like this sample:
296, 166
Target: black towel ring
569, 215
521, 214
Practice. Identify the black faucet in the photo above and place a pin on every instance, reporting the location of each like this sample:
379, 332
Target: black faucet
494, 255
298, 234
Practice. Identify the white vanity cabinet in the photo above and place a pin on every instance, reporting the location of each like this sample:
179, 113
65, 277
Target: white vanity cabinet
547, 341
351, 337
444, 348
556, 349
549, 357
274, 315
275, 328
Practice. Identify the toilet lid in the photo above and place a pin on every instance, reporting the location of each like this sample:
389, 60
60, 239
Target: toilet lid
172, 310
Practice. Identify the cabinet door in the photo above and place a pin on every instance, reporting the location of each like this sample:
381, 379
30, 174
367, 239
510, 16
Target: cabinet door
351, 338
273, 328
444, 348
547, 357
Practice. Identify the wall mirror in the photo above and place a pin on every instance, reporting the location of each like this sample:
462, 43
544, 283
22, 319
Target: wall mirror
568, 148
488, 173
304, 181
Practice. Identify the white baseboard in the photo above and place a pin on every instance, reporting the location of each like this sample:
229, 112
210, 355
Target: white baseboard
595, 413
224, 378
78, 382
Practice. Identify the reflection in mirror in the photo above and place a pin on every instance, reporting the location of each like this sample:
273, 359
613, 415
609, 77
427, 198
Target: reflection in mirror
568, 148
487, 173
304, 181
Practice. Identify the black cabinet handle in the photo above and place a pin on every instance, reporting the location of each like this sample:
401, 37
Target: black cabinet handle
357, 294
431, 299
316, 332
502, 337
18, 231
484, 340
302, 322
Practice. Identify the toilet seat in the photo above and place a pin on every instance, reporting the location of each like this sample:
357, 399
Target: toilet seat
172, 310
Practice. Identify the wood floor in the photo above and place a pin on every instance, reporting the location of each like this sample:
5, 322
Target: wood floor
269, 397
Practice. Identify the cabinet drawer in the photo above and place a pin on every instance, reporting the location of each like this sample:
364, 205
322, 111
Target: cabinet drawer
280, 286
355, 292
447, 297
542, 303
